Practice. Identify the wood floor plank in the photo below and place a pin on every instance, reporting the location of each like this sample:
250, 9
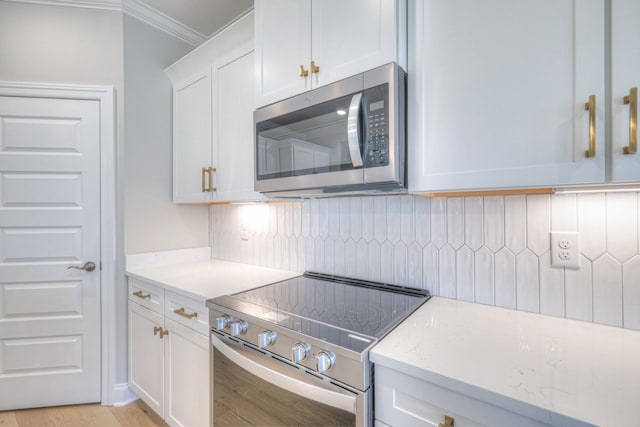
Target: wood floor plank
82, 415
8, 419
32, 417
137, 414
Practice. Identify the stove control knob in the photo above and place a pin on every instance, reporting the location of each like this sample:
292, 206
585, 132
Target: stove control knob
223, 321
266, 338
300, 351
239, 327
324, 361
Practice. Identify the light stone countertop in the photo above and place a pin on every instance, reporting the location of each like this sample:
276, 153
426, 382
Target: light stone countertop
538, 366
191, 273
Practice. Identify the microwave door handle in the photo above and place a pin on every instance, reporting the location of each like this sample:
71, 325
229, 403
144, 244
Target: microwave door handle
353, 130
328, 397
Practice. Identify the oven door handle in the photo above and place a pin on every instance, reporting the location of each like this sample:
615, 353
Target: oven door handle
353, 130
328, 397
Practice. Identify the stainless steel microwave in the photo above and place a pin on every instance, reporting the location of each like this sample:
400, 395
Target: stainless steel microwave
348, 137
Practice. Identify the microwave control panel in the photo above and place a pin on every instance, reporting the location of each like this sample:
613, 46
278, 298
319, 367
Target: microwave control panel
377, 142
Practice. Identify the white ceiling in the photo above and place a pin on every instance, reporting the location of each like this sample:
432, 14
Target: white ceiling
204, 16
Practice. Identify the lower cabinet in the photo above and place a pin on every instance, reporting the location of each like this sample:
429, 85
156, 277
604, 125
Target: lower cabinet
168, 363
146, 356
186, 379
405, 401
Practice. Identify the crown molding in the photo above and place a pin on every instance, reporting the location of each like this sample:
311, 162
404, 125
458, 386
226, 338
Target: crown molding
136, 9
89, 4
159, 20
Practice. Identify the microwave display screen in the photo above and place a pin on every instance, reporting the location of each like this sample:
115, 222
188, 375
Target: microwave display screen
376, 106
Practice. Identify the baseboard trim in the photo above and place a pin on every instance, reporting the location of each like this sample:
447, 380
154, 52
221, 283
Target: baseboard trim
122, 395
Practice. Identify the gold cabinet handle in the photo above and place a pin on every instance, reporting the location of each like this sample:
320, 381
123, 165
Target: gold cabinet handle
142, 295
163, 332
314, 68
448, 422
180, 312
157, 329
632, 100
591, 107
302, 72
204, 171
211, 172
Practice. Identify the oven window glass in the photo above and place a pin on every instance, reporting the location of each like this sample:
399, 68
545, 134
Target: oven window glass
308, 141
243, 399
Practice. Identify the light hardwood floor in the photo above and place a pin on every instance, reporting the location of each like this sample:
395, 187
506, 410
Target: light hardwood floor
136, 414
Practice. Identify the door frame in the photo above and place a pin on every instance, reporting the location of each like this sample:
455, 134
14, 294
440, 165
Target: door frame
105, 95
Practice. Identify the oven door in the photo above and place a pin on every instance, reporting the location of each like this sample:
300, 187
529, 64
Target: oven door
255, 388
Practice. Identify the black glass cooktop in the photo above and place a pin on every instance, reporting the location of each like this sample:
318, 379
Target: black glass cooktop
339, 310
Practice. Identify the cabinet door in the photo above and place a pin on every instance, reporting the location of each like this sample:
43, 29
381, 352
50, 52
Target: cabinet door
192, 138
403, 400
353, 36
146, 356
498, 91
187, 377
233, 137
283, 44
625, 74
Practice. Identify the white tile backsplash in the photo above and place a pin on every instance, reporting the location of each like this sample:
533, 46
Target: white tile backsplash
492, 250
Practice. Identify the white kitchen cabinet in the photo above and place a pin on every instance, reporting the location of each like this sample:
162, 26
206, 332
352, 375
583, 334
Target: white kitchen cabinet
403, 400
497, 94
192, 148
146, 356
186, 376
625, 75
169, 353
213, 142
233, 134
340, 37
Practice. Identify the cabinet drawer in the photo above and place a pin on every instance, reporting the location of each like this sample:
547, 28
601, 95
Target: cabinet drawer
146, 294
189, 312
401, 400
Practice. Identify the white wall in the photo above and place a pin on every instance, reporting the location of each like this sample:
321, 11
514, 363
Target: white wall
54, 44
491, 250
152, 222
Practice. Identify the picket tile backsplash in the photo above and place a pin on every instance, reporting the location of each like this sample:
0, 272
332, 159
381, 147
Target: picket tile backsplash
492, 250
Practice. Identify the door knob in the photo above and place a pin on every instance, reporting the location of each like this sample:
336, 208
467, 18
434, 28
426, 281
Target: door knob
88, 266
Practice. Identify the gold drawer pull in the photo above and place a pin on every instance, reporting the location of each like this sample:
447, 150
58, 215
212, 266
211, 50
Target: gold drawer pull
314, 68
632, 100
158, 329
180, 312
591, 108
204, 171
211, 187
142, 295
448, 422
302, 72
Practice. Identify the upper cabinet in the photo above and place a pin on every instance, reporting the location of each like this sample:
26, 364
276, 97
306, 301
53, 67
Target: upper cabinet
304, 44
498, 94
192, 127
625, 81
213, 154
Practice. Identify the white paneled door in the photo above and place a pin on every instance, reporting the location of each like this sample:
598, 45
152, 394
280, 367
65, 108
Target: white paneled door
49, 221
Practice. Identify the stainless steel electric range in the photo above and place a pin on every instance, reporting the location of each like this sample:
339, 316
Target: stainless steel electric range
296, 352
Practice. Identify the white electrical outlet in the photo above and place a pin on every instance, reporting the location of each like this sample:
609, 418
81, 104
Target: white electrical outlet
565, 249
244, 231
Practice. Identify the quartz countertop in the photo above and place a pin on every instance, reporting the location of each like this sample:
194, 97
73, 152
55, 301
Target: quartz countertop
200, 278
543, 367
